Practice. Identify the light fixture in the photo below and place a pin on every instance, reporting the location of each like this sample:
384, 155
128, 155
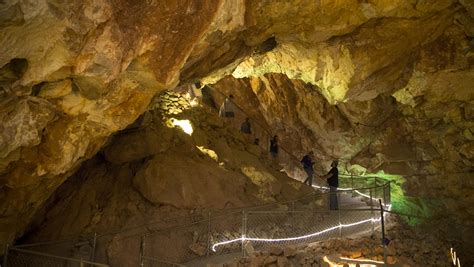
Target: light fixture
185, 125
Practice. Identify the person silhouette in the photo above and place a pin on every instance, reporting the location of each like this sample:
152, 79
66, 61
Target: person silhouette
308, 163
274, 146
332, 178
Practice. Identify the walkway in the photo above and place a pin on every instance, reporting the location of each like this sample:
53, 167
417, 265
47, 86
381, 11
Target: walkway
301, 225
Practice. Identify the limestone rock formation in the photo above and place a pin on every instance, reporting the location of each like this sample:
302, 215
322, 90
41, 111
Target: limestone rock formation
74, 73
127, 189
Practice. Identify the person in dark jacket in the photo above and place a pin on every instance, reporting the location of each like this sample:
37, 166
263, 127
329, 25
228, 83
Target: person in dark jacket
246, 129
308, 163
274, 146
333, 181
245, 126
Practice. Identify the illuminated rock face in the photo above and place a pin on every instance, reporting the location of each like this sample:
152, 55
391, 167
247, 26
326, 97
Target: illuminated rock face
73, 73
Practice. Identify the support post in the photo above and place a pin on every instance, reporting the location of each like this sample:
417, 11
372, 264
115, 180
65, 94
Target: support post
208, 234
5, 255
244, 231
81, 263
383, 232
352, 185
94, 243
142, 251
372, 210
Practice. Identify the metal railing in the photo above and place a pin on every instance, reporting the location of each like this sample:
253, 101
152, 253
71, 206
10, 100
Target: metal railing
19, 257
177, 241
279, 224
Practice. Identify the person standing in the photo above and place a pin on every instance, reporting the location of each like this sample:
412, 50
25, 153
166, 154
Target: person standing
308, 163
227, 108
245, 128
274, 146
332, 179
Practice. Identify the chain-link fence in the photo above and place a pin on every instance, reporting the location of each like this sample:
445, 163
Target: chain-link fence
281, 224
180, 240
291, 228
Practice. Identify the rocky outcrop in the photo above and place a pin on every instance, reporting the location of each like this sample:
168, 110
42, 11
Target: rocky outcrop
72, 74
126, 190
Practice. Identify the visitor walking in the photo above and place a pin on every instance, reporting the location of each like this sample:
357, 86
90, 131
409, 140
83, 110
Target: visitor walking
274, 146
308, 163
245, 128
227, 109
333, 181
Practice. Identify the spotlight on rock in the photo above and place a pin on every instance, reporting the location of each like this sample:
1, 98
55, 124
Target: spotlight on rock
185, 125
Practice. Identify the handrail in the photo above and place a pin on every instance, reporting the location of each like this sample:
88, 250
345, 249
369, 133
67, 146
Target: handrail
263, 127
58, 257
304, 211
227, 212
249, 209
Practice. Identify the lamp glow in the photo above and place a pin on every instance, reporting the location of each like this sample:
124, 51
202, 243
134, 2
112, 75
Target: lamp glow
332, 264
454, 258
185, 125
362, 260
211, 153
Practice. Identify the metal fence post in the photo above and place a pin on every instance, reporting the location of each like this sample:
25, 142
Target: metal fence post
5, 255
208, 234
94, 243
352, 185
244, 231
372, 210
142, 251
383, 233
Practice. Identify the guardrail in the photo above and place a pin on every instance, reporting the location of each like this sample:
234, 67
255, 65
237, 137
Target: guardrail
280, 224
176, 241
19, 257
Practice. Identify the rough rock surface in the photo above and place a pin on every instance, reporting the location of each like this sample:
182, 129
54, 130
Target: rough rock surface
73, 73
126, 190
405, 249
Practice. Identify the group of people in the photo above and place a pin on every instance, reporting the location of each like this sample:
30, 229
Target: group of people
332, 177
227, 110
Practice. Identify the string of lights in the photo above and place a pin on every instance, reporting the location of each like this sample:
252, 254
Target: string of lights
340, 226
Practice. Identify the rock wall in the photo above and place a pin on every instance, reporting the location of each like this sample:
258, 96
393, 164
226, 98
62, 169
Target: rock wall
74, 73
71, 74
154, 176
